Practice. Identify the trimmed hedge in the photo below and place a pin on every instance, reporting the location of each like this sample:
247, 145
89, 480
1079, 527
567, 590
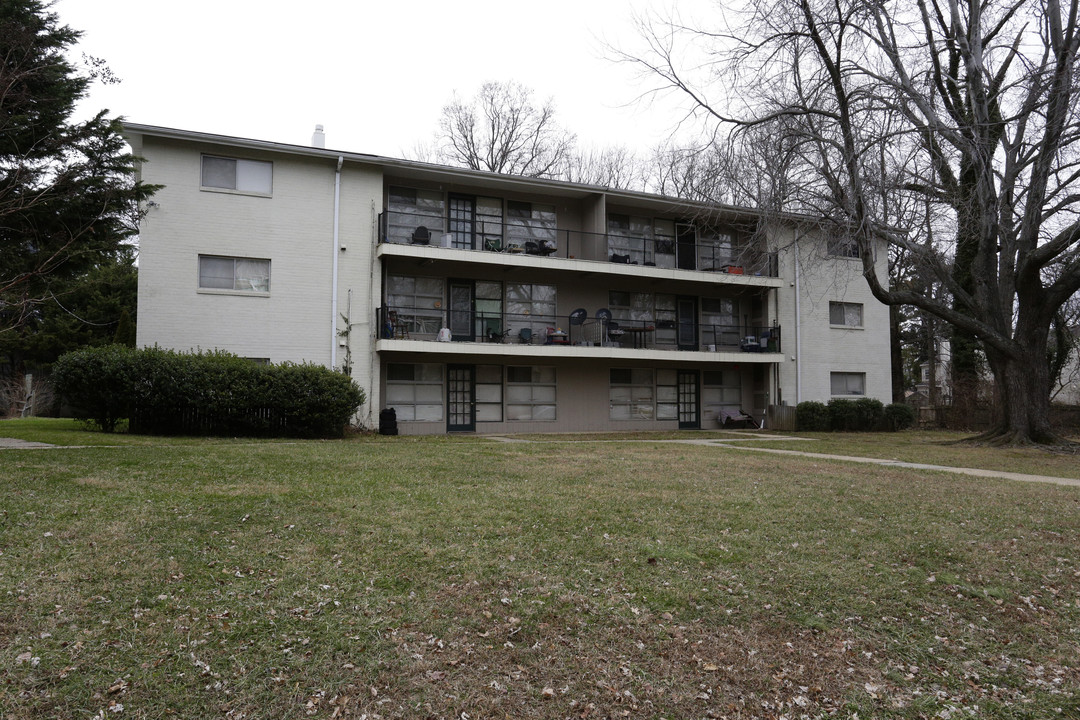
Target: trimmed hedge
164, 392
812, 416
860, 415
899, 416
853, 415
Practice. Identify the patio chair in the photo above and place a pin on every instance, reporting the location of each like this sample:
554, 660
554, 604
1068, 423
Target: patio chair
421, 236
525, 336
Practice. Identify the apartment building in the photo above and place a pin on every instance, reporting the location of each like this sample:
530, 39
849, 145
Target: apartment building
477, 302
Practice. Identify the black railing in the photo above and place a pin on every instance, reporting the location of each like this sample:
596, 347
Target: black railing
541, 238
409, 323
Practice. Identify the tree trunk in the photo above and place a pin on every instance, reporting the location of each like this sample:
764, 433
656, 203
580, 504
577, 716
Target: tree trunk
1023, 385
895, 343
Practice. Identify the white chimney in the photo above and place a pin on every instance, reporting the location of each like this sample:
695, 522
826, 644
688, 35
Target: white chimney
318, 138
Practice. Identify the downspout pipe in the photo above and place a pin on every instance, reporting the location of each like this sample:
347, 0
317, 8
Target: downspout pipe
798, 327
336, 252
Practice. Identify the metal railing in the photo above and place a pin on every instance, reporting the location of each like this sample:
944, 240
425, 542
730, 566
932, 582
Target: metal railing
542, 238
410, 323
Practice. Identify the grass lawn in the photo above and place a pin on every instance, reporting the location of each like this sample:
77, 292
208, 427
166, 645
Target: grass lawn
470, 578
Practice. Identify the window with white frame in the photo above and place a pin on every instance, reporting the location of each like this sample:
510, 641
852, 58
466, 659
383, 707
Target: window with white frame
530, 394
846, 314
847, 383
408, 209
416, 303
631, 394
415, 391
720, 390
236, 274
245, 176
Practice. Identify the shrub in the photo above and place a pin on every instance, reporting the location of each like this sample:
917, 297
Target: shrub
811, 416
97, 383
869, 415
842, 414
899, 416
164, 392
856, 415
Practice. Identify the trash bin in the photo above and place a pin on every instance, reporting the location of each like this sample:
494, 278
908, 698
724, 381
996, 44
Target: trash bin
388, 422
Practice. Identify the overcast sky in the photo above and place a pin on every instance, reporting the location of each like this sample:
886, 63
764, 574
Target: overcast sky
375, 74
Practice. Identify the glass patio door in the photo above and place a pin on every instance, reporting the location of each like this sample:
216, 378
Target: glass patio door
460, 312
686, 309
462, 221
689, 400
460, 398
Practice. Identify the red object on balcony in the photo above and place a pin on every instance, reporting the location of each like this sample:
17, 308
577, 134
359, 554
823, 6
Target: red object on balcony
734, 270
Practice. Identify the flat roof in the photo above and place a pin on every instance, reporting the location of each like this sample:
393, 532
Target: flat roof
415, 169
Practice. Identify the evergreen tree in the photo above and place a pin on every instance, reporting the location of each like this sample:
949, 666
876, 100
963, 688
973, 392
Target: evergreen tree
87, 310
69, 197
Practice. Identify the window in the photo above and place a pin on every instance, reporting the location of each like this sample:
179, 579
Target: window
844, 247
720, 390
409, 208
719, 323
417, 302
631, 307
667, 395
630, 237
631, 394
530, 306
234, 273
489, 223
530, 393
530, 222
848, 383
846, 314
715, 249
415, 391
489, 393
246, 176
488, 308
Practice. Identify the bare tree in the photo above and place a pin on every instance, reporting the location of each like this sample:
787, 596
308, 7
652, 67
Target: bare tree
614, 166
970, 109
501, 130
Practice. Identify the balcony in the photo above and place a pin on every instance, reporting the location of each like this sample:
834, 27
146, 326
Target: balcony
522, 238
572, 331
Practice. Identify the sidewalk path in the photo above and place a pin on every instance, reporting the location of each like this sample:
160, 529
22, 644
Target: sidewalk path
729, 444
978, 472
14, 444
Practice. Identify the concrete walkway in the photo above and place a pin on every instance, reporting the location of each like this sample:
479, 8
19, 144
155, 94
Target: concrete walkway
737, 436
14, 444
978, 472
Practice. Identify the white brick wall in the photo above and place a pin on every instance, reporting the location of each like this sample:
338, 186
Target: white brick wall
824, 349
294, 229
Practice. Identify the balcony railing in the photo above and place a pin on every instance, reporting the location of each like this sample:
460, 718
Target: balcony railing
411, 323
526, 236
